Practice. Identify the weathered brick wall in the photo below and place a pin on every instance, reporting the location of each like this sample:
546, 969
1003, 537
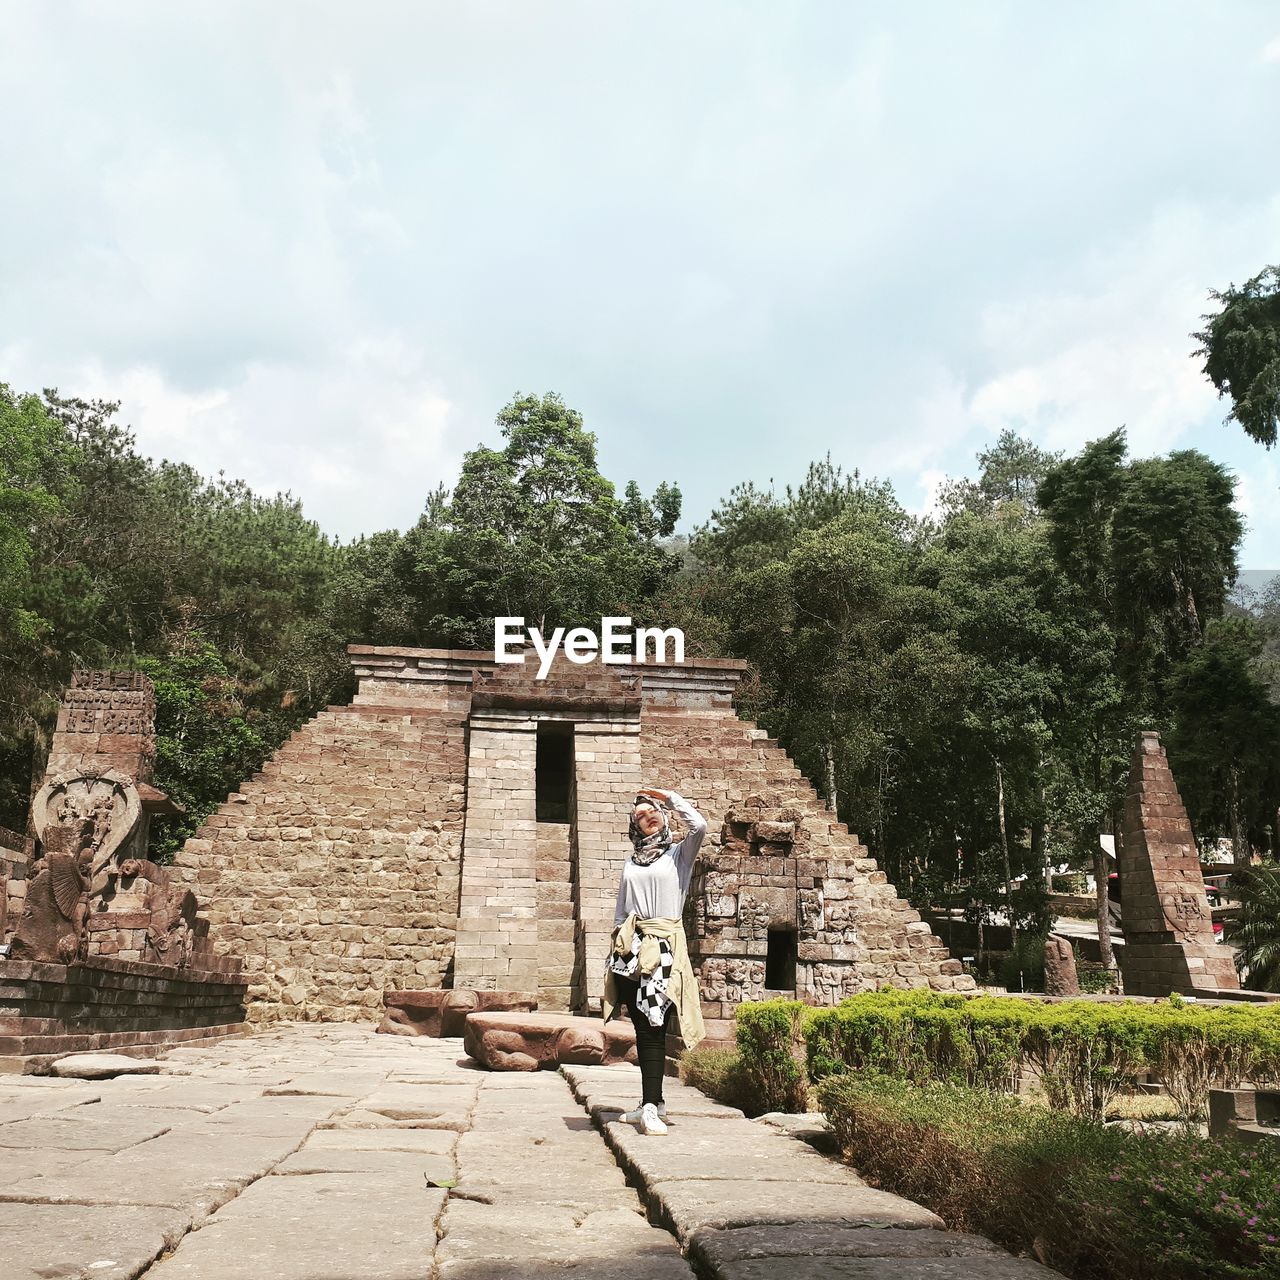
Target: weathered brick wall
497, 942
104, 1003
333, 874
557, 954
607, 771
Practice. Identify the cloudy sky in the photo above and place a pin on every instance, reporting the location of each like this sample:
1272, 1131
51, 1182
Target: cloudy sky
319, 246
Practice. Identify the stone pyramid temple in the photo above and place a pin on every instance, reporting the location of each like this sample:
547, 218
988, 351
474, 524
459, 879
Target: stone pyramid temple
462, 824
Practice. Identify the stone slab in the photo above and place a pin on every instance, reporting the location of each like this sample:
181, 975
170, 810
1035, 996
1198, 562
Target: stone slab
895, 1268
710, 1149
409, 1165
48, 1242
102, 1066
19, 1166
432, 1142
440, 1012
421, 1102
537, 1232
97, 1129
791, 1241
338, 1084
727, 1202
328, 1226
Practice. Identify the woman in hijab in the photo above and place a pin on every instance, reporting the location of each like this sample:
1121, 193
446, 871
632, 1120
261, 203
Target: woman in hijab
649, 969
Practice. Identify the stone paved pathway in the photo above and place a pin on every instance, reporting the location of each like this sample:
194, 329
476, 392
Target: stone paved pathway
314, 1153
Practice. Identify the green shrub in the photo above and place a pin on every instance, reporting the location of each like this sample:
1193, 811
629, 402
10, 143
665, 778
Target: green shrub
1085, 1052
1093, 1201
768, 1035
920, 1036
720, 1075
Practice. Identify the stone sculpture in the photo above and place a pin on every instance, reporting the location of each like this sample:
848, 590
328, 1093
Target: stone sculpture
444, 1012
108, 801
171, 933
52, 924
533, 1041
1060, 977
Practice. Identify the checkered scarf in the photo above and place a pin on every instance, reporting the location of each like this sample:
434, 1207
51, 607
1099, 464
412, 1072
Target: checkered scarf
651, 988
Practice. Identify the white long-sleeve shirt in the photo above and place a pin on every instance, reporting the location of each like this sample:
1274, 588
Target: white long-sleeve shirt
657, 892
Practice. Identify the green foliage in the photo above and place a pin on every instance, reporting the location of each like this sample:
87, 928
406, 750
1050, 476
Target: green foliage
531, 530
768, 1035
208, 737
920, 1036
1241, 346
1256, 931
720, 1075
1090, 1200
1084, 1052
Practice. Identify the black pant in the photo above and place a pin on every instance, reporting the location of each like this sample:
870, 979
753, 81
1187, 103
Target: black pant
651, 1041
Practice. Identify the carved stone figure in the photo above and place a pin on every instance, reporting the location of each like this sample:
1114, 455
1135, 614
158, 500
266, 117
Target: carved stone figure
753, 917
529, 1041
108, 801
832, 982
1060, 977
842, 921
171, 933
720, 899
52, 924
812, 913
731, 981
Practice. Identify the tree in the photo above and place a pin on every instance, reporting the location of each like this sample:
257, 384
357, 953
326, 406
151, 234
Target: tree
530, 530
1010, 476
1255, 933
1150, 547
1225, 745
1241, 346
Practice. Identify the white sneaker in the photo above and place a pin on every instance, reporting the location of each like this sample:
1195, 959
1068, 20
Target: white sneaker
650, 1123
633, 1117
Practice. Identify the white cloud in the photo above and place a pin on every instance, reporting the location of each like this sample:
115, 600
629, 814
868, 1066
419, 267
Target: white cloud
1271, 51
362, 440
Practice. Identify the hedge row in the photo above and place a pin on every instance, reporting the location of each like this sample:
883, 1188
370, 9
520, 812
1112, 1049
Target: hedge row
1091, 1200
1083, 1051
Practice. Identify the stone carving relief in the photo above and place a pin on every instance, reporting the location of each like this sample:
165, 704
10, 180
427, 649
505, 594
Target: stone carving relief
171, 933
108, 801
731, 980
812, 913
52, 924
719, 899
842, 925
110, 702
832, 982
1185, 910
753, 918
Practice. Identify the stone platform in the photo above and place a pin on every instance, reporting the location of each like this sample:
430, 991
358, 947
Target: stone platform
101, 1003
317, 1152
533, 1041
